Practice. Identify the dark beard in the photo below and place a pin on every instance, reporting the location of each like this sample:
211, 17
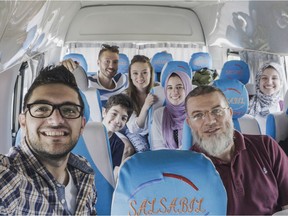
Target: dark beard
47, 156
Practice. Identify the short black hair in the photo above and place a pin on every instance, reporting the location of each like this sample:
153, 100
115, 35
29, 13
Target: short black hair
120, 99
53, 75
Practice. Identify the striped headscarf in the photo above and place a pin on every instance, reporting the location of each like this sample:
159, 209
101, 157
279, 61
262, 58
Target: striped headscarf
260, 102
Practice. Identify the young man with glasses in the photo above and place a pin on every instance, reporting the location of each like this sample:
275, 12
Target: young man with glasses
106, 80
41, 176
253, 168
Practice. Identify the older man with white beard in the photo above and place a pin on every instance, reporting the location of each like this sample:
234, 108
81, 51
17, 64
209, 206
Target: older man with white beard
253, 168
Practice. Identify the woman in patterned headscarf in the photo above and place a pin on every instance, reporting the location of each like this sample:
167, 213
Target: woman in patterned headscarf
268, 93
167, 125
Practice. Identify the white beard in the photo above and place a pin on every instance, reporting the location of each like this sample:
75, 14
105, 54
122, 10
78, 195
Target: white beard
216, 145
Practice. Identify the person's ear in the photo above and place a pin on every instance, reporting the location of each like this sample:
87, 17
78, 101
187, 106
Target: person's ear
104, 112
188, 122
231, 111
83, 123
22, 120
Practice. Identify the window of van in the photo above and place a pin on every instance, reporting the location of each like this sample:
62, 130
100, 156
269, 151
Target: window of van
179, 51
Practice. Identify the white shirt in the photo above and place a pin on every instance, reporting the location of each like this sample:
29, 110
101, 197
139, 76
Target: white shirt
71, 194
133, 126
157, 140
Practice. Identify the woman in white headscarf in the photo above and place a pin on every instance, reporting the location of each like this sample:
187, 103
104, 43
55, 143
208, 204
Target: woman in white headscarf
268, 93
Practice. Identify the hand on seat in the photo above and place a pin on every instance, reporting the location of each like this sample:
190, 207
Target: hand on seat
70, 64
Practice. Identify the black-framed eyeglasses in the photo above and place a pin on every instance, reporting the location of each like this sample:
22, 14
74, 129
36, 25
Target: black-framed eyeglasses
44, 110
112, 48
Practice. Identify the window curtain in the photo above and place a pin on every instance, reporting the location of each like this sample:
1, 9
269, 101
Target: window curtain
179, 51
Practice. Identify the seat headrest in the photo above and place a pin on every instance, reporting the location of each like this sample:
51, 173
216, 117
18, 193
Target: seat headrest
236, 94
250, 89
174, 66
81, 78
123, 64
236, 69
159, 60
79, 58
200, 60
162, 178
86, 106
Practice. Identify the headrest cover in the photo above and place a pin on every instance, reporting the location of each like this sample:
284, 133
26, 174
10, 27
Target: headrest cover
86, 106
79, 58
200, 60
169, 182
159, 60
236, 69
174, 66
123, 64
236, 94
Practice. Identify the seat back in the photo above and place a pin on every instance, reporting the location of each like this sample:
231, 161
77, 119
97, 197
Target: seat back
158, 61
251, 90
187, 138
80, 73
159, 92
123, 64
237, 96
200, 60
236, 69
277, 123
93, 98
169, 182
79, 58
94, 146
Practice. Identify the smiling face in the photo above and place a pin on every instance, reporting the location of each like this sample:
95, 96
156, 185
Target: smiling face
270, 82
108, 64
214, 132
140, 74
52, 137
175, 90
115, 118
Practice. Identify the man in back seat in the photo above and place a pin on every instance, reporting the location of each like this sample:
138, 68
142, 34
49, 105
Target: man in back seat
253, 168
106, 80
41, 176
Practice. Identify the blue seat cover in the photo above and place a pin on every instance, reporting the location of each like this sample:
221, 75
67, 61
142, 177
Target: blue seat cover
200, 60
174, 66
123, 64
79, 58
158, 61
169, 182
236, 69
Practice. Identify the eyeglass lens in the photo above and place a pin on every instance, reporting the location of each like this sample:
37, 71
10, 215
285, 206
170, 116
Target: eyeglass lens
69, 111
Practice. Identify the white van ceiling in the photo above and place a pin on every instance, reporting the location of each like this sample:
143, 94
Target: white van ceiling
29, 27
135, 23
